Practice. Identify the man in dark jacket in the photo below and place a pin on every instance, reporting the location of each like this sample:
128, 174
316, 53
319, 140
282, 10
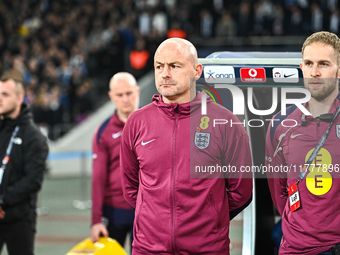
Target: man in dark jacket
23, 152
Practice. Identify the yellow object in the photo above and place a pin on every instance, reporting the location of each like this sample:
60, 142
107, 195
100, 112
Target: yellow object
24, 31
105, 246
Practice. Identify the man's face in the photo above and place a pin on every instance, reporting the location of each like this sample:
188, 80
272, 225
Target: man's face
320, 71
10, 101
175, 71
125, 96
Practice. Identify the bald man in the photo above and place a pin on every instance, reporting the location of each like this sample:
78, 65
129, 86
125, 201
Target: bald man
161, 145
111, 215
23, 153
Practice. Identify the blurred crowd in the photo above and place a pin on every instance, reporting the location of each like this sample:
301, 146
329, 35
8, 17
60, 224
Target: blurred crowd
66, 50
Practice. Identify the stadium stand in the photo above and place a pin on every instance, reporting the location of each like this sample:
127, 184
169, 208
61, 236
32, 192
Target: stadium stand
67, 50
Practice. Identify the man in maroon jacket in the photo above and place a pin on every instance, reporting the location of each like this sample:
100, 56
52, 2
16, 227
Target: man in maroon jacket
111, 214
163, 143
309, 203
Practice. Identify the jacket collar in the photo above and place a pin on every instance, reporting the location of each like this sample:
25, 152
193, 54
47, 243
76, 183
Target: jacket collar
183, 110
116, 121
332, 110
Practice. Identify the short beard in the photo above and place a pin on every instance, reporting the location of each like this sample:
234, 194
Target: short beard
327, 89
324, 93
6, 114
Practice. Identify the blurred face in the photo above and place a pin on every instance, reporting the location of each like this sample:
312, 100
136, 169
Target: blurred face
124, 94
175, 71
10, 99
320, 71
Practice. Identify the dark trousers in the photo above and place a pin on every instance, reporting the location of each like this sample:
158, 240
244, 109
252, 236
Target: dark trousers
18, 237
119, 223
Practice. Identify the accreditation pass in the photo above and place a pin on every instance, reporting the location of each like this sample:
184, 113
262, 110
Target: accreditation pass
294, 197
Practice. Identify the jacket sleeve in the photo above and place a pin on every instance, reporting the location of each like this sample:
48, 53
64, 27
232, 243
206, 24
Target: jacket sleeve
239, 184
129, 165
35, 150
99, 177
277, 181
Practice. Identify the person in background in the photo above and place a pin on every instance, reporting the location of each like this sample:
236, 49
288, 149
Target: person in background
139, 58
111, 215
23, 153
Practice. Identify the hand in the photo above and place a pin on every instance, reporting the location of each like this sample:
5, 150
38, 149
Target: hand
96, 230
2, 213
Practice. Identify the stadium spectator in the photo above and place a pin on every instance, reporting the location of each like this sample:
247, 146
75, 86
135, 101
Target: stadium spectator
226, 25
139, 59
207, 24
83, 104
176, 30
334, 21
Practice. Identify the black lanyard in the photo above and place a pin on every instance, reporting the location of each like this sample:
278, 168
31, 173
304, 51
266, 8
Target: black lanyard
8, 152
318, 146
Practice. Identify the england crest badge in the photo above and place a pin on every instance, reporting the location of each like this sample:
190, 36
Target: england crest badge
202, 140
337, 130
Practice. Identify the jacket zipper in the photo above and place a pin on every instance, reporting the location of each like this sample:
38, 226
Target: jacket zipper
173, 207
